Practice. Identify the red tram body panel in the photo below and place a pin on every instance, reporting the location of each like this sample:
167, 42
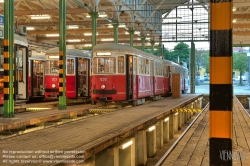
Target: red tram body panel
77, 74
115, 89
144, 86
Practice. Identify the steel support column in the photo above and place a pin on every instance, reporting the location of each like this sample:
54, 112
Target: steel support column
115, 26
62, 55
143, 43
152, 42
8, 59
94, 16
221, 90
131, 35
192, 68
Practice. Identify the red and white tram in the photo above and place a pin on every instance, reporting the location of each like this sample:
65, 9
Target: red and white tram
122, 72
77, 73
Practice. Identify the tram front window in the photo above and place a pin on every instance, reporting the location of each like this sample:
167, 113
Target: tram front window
52, 67
104, 65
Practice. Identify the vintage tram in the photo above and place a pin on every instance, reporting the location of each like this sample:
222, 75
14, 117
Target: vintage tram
77, 73
121, 72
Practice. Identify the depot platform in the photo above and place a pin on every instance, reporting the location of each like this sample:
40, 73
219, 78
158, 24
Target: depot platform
193, 148
93, 137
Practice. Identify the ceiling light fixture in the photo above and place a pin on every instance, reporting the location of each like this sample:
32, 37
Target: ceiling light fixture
74, 40
52, 35
30, 28
107, 39
122, 26
89, 34
73, 27
102, 15
40, 17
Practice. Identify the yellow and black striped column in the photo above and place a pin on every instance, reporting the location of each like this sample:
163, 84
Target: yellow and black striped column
8, 59
62, 55
221, 93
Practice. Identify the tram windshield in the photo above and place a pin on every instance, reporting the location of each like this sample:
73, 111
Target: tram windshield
104, 65
52, 67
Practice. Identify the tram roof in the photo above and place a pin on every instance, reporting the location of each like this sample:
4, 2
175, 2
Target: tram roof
70, 52
119, 47
18, 39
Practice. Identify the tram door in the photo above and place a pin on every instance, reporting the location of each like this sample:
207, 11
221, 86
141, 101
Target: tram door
21, 80
152, 78
38, 77
82, 78
134, 77
129, 77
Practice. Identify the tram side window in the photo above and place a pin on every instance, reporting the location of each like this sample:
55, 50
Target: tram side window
70, 66
140, 65
147, 67
143, 66
38, 67
156, 69
82, 66
19, 65
120, 64
161, 71
165, 71
104, 65
52, 67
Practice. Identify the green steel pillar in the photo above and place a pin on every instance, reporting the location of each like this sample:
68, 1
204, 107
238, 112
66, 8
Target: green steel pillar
94, 16
115, 26
152, 42
131, 34
192, 65
160, 47
8, 59
160, 50
143, 43
192, 68
62, 55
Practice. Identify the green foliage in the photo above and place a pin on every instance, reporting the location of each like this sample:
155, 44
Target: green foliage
181, 49
206, 63
240, 63
202, 59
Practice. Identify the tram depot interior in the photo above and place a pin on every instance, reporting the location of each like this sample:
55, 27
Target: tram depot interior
38, 22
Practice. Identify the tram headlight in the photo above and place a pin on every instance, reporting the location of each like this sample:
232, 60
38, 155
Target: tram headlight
103, 86
53, 85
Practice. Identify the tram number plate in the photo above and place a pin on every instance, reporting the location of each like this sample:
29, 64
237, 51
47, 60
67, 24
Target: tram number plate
103, 79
